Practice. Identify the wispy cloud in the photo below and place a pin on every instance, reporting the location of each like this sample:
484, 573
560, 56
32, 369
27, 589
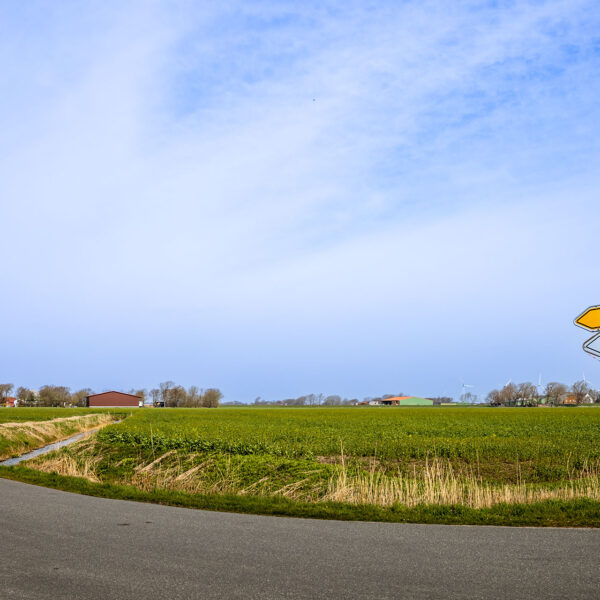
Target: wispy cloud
187, 174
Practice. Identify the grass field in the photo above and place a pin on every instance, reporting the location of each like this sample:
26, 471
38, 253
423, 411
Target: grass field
431, 461
25, 429
14, 415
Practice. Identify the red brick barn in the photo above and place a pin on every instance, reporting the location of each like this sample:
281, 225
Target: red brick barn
113, 399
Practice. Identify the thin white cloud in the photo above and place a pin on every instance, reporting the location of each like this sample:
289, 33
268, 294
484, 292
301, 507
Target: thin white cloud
296, 167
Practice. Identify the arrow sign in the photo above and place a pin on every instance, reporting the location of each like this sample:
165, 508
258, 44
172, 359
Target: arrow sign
592, 346
589, 319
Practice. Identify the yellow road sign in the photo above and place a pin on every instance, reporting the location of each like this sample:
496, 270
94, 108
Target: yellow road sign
589, 319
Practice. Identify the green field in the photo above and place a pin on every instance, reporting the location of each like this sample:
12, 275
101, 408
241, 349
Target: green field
15, 415
398, 461
499, 434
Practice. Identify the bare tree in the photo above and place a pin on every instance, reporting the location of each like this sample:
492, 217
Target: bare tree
155, 395
494, 398
175, 396
5, 390
468, 398
509, 394
211, 398
194, 396
54, 395
555, 392
26, 396
527, 393
165, 387
78, 398
314, 399
580, 390
142, 394
334, 400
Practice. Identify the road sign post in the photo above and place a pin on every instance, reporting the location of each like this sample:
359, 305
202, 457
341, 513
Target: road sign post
590, 319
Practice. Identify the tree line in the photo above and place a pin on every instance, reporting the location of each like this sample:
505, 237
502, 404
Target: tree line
171, 395
47, 395
333, 400
553, 394
166, 394
307, 400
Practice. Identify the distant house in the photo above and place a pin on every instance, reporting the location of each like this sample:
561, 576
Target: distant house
571, 399
11, 402
406, 401
113, 400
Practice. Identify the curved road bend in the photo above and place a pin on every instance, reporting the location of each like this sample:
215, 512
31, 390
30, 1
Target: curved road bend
57, 545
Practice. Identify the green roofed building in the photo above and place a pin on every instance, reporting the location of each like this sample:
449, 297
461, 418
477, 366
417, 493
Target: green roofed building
407, 401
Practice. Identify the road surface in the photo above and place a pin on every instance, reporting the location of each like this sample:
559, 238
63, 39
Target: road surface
58, 545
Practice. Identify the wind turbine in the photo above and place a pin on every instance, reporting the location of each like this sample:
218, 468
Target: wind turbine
465, 387
587, 382
539, 385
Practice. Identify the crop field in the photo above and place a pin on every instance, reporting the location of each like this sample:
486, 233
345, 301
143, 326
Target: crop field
387, 433
390, 458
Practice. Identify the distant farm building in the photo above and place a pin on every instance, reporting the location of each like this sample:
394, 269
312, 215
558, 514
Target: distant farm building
404, 401
571, 400
11, 402
113, 399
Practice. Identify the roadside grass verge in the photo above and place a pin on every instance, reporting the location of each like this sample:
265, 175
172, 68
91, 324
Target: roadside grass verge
438, 484
549, 513
195, 473
19, 437
342, 479
341, 482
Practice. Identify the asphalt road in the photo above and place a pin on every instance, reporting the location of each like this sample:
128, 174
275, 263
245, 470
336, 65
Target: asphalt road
58, 545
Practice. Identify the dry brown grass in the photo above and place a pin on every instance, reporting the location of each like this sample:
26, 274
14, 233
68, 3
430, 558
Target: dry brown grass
438, 484
183, 475
173, 471
435, 483
81, 463
29, 435
70, 466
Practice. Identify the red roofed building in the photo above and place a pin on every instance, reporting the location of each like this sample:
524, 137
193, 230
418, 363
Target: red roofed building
406, 401
113, 399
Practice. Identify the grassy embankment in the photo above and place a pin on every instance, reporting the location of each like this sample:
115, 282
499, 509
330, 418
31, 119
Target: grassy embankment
454, 465
26, 429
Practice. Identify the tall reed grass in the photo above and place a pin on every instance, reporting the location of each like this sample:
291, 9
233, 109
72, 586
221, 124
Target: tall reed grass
437, 483
23, 436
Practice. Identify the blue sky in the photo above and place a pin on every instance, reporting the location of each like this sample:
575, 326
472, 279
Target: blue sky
278, 198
